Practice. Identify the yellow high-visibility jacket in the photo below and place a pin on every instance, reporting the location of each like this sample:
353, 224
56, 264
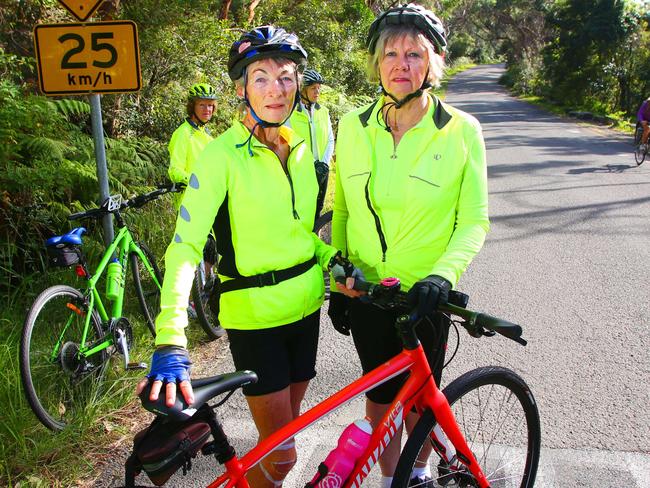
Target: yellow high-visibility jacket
417, 209
264, 221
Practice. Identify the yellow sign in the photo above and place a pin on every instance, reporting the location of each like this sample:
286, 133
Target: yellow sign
97, 57
82, 9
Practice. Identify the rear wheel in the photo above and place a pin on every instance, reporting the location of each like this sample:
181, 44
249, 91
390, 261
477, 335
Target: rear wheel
204, 292
146, 288
58, 380
498, 416
323, 229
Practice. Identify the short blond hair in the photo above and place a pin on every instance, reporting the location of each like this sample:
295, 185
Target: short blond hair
436, 62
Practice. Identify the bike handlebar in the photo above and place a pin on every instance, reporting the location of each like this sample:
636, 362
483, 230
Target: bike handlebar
388, 294
135, 202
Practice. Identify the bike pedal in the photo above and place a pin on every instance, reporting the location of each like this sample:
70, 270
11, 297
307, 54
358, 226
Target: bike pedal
133, 366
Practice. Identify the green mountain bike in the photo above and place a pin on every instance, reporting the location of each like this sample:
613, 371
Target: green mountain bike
69, 334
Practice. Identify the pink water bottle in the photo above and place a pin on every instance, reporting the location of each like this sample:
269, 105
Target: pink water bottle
338, 465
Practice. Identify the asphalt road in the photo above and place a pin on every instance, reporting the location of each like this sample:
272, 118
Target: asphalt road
568, 257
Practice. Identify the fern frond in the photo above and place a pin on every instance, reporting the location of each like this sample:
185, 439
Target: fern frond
72, 108
44, 146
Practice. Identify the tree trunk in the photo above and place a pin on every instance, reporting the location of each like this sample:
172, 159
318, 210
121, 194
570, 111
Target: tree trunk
251, 10
225, 9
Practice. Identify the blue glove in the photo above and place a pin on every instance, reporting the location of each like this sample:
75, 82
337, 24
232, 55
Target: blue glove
342, 268
170, 364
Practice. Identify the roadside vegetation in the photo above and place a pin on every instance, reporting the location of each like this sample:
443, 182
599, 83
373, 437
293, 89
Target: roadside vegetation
569, 54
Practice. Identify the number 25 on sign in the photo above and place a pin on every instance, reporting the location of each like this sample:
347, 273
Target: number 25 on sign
97, 57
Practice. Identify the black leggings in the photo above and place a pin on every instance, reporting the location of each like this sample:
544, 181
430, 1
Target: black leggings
376, 341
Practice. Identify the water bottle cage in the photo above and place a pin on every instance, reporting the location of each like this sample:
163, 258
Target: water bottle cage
322, 472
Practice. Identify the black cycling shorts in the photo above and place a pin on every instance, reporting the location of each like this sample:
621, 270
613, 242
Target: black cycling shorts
279, 355
377, 341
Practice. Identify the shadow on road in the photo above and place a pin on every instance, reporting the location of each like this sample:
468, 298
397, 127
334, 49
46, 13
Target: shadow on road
609, 168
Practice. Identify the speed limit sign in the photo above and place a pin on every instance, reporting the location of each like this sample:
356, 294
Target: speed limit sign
96, 57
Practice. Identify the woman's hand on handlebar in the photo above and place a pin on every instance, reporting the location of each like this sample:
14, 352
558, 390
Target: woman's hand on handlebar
170, 365
345, 274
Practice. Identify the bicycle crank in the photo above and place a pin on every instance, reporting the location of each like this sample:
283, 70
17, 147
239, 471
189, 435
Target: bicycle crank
123, 338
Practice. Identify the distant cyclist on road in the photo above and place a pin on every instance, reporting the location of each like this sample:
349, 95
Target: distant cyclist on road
311, 121
643, 117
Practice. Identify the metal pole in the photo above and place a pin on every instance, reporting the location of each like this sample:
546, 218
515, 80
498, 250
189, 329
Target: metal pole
100, 157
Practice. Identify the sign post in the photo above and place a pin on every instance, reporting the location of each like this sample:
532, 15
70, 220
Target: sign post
88, 59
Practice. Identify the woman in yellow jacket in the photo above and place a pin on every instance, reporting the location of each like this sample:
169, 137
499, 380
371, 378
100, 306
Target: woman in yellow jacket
256, 183
410, 200
191, 137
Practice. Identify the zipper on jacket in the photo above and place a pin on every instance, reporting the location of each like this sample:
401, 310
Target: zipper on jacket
286, 172
382, 238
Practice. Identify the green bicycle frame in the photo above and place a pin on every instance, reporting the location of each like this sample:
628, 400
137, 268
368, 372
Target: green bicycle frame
121, 247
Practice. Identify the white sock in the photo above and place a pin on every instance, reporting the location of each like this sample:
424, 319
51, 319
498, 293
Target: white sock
424, 472
386, 481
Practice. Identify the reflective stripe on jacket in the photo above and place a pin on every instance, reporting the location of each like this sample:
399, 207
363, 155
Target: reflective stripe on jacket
264, 219
417, 209
319, 121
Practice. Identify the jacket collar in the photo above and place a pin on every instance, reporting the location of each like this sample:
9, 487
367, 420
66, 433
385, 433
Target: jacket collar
436, 114
302, 108
287, 133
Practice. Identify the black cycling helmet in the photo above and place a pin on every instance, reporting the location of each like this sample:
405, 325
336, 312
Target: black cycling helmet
311, 77
413, 15
263, 42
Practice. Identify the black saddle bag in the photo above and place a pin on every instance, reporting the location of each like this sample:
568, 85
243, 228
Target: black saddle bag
165, 447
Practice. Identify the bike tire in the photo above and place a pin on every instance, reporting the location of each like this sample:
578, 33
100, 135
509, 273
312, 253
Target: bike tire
58, 388
639, 153
202, 289
323, 229
147, 291
513, 430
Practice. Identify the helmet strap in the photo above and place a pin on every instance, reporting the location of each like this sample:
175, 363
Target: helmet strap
195, 118
397, 103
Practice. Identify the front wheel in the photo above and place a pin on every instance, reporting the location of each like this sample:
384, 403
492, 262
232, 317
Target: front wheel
639, 151
58, 380
498, 416
639, 154
323, 229
146, 287
204, 294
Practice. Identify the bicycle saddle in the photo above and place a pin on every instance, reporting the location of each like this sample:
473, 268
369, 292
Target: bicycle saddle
205, 389
73, 238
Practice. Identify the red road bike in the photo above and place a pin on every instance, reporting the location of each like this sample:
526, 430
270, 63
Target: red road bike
483, 427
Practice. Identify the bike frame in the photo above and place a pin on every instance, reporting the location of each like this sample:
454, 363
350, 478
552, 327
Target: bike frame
419, 391
121, 247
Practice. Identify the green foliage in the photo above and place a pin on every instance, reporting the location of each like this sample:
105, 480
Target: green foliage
334, 39
47, 170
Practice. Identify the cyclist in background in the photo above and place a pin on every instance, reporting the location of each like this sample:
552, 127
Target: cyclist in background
643, 118
311, 120
410, 201
191, 137
187, 142
258, 180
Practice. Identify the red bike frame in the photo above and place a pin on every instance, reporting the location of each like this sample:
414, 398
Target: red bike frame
419, 391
